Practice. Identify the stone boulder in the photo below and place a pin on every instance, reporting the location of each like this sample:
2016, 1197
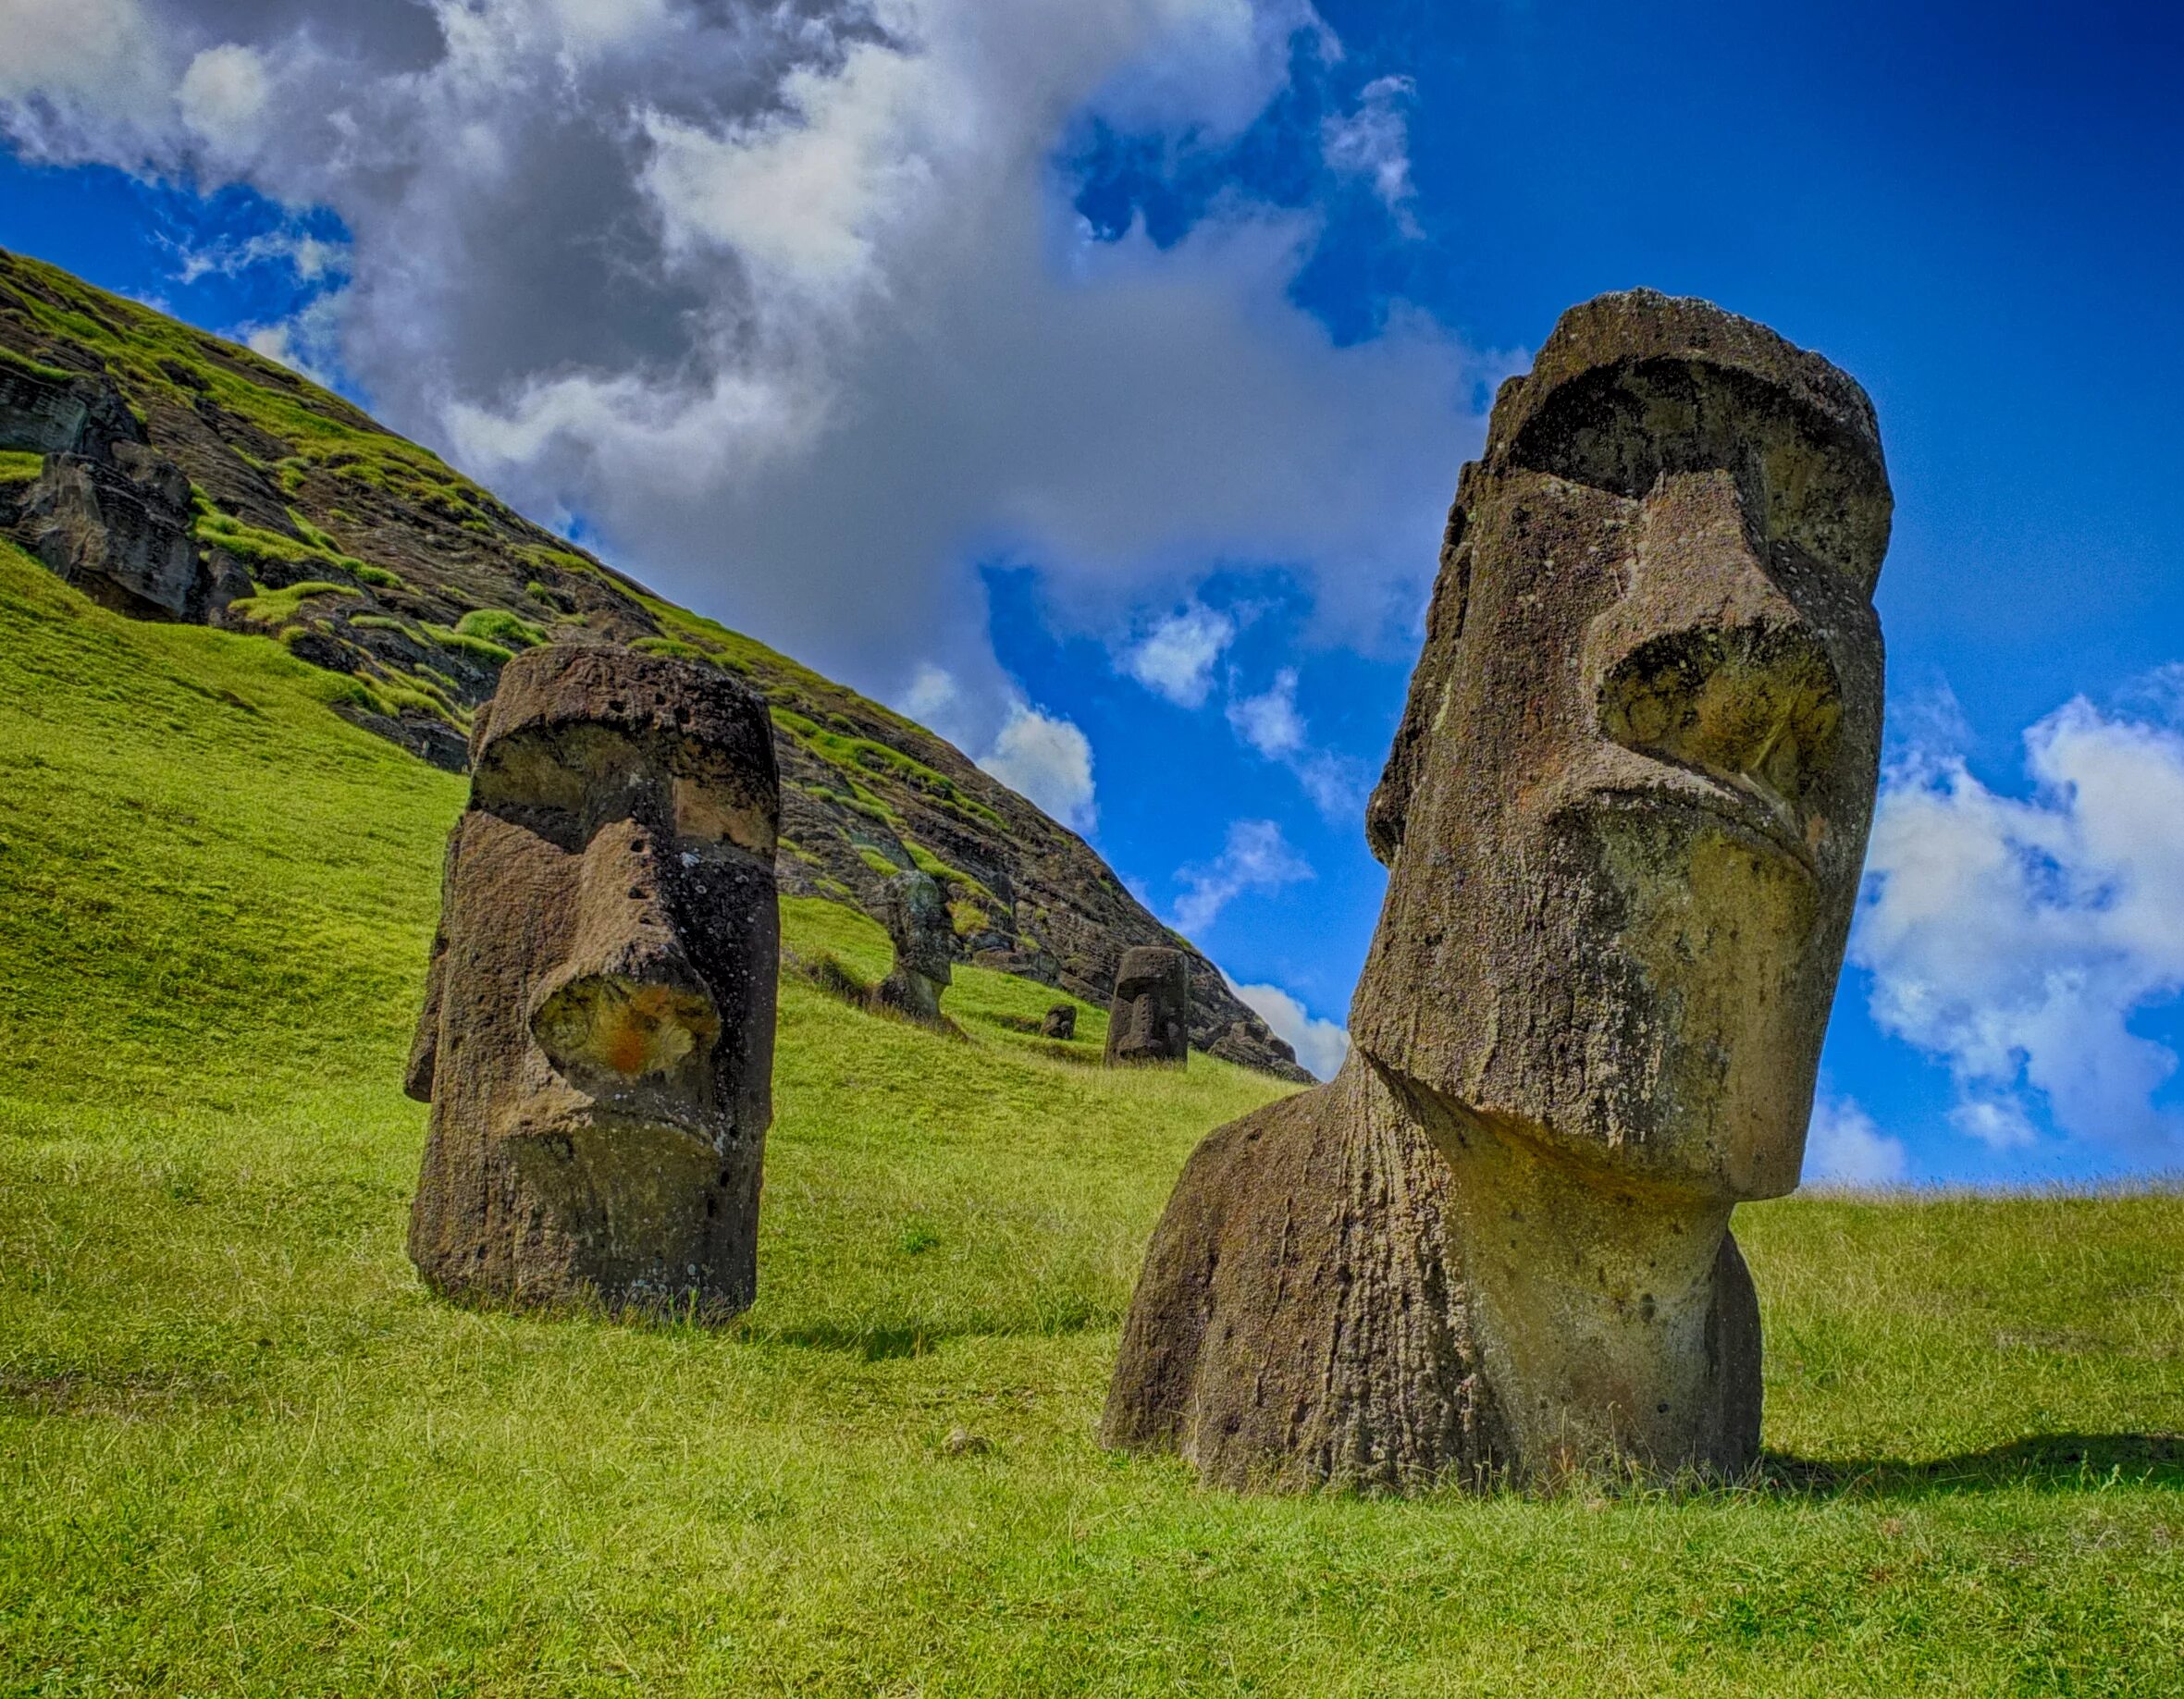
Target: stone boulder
916, 917
1624, 817
1148, 1020
118, 527
1060, 1022
597, 1039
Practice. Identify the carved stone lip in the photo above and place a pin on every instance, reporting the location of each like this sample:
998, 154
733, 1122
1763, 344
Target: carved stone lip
1720, 802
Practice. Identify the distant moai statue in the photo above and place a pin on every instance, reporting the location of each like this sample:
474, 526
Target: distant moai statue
916, 916
597, 1041
1624, 819
1150, 1018
1060, 1022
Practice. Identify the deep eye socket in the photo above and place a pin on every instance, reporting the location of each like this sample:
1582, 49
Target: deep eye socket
565, 782
1753, 705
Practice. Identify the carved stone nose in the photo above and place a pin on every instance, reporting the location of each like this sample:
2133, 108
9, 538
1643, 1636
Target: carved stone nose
1709, 663
627, 1005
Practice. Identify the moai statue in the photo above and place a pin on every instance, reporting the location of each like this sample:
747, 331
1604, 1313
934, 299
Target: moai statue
1060, 1022
1624, 819
1150, 1018
916, 916
596, 1042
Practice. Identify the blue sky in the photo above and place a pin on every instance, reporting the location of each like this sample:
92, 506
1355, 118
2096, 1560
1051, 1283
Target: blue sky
1111, 378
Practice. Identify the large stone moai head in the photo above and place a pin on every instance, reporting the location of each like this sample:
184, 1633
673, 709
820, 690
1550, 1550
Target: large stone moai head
1150, 1018
596, 1042
916, 916
1626, 807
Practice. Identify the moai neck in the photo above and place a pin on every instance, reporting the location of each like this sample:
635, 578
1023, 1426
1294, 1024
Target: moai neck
1593, 1298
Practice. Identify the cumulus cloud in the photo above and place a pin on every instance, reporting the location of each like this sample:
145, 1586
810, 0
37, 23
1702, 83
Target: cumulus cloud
789, 301
223, 100
1320, 1044
1047, 759
1256, 858
2016, 939
1176, 658
1272, 725
1269, 722
1844, 1147
1373, 143
82, 77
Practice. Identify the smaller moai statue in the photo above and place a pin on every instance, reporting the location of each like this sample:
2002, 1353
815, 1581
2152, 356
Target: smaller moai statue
1061, 1022
1150, 1019
916, 916
597, 1041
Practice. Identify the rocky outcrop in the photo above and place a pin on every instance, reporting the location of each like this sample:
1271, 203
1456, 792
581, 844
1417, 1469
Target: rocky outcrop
370, 558
117, 528
107, 512
1623, 817
596, 1036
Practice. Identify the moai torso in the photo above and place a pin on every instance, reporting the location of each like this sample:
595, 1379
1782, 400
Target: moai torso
1623, 817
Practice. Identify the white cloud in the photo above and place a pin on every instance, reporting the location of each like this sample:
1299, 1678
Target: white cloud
1176, 658
223, 98
81, 79
1048, 760
789, 302
1844, 1147
1373, 143
1257, 857
2016, 939
1320, 1044
1270, 722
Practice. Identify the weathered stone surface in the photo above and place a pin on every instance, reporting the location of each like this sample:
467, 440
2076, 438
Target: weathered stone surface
1624, 817
597, 1041
916, 917
1060, 1022
1148, 1020
117, 528
53, 415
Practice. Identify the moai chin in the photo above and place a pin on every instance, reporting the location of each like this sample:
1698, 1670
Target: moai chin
1149, 1021
916, 916
597, 1041
1624, 819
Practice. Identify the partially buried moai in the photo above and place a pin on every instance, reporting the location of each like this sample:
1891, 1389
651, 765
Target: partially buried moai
1060, 1022
596, 1042
916, 916
1624, 819
1149, 1021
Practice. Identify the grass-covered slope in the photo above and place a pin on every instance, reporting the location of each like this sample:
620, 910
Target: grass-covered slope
409, 586
242, 1452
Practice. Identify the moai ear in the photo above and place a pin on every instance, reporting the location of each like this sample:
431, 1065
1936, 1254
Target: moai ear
1389, 810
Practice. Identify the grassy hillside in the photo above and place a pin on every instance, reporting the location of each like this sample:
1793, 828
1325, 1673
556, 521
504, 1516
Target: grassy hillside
242, 1452
409, 586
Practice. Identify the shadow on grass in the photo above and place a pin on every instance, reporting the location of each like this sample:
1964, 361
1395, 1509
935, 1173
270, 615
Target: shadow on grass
2074, 1461
881, 1341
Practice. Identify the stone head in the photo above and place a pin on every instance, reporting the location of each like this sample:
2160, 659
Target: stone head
916, 914
1627, 808
597, 1035
1150, 1018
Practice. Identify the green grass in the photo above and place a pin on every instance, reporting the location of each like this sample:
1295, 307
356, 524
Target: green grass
242, 1452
